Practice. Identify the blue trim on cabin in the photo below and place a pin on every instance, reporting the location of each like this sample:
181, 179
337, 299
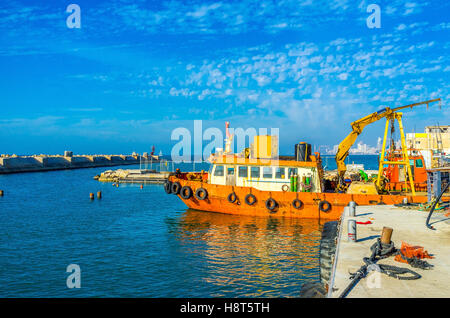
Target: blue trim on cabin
285, 181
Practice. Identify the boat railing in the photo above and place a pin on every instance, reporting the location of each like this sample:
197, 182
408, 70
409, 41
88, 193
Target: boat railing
165, 165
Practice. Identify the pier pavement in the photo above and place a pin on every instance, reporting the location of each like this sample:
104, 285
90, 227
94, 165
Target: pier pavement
408, 226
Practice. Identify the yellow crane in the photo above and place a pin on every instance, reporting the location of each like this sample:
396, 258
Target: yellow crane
357, 128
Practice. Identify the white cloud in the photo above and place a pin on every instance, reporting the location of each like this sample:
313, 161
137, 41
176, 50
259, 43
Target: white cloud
441, 26
229, 17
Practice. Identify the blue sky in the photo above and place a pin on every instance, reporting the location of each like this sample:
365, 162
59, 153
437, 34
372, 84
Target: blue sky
136, 70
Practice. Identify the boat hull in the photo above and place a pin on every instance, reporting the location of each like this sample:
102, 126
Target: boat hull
217, 201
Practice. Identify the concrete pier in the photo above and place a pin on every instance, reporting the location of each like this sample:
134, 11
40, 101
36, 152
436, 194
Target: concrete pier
133, 176
36, 163
408, 226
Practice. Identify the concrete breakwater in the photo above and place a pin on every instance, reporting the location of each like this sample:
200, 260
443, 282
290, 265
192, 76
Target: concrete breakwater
15, 164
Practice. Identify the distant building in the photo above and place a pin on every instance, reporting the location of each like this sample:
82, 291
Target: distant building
359, 149
433, 143
435, 138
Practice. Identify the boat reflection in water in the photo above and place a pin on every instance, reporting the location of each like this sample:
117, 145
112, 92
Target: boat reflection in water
250, 256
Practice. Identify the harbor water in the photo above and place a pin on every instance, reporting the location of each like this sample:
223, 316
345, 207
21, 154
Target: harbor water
142, 243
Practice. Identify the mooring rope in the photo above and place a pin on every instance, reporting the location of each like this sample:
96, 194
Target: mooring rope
381, 251
434, 206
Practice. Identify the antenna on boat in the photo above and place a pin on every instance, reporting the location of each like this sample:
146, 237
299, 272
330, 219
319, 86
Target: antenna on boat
229, 138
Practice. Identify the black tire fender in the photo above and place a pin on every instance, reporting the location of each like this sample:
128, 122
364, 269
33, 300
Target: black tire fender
232, 197
201, 194
253, 200
326, 204
186, 192
175, 188
271, 204
297, 204
168, 187
328, 250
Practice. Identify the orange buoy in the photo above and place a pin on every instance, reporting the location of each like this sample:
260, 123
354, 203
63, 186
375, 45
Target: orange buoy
1, 193
142, 186
91, 195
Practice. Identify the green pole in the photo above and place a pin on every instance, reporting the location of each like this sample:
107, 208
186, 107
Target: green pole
308, 181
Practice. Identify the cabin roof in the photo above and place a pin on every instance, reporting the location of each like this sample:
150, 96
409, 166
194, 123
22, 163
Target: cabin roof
282, 161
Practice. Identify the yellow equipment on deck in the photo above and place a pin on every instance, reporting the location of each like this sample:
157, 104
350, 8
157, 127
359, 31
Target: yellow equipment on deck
357, 187
357, 128
264, 147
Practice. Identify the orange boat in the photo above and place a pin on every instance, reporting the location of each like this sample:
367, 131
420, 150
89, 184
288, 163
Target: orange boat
258, 182
236, 184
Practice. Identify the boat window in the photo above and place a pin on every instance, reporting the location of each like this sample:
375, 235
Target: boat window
292, 171
419, 163
243, 171
267, 172
411, 162
230, 171
218, 172
279, 173
254, 172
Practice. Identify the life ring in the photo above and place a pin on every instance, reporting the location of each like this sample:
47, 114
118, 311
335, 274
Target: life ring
167, 187
248, 196
327, 204
176, 187
297, 204
186, 192
271, 204
285, 188
232, 197
201, 194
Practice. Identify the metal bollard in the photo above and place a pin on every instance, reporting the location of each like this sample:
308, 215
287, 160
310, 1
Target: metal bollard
346, 211
386, 235
351, 225
352, 208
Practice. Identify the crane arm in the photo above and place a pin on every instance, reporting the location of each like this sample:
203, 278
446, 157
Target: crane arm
347, 143
357, 128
